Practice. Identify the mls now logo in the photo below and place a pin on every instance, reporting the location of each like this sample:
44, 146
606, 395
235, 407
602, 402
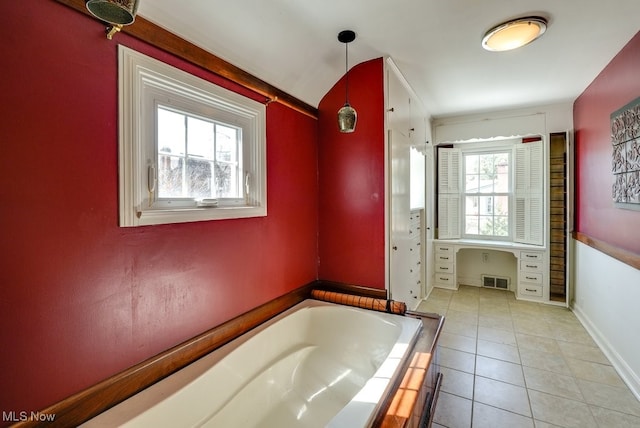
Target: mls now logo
23, 416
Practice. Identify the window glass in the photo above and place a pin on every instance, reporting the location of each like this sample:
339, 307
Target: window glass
197, 158
486, 178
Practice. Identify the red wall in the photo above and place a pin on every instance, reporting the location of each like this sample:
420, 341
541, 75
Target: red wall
351, 177
81, 298
596, 216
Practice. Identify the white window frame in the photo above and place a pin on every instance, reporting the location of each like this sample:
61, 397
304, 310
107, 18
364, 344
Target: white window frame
144, 83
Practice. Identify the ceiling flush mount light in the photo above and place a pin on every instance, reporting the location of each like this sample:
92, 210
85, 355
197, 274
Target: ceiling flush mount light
514, 34
116, 12
347, 115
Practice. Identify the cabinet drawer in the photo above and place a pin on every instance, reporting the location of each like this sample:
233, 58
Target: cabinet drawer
445, 280
530, 290
531, 266
444, 258
444, 249
444, 267
531, 277
533, 257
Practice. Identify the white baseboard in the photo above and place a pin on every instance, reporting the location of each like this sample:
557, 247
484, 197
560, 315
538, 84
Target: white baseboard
626, 373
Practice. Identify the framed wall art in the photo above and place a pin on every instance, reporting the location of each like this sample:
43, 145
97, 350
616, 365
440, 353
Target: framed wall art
625, 160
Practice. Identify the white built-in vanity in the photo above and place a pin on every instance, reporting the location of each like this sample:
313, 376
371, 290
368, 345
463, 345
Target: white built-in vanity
516, 267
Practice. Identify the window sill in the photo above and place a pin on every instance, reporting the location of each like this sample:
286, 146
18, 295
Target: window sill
185, 215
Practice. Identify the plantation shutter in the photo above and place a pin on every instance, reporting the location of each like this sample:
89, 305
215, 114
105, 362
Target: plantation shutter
528, 204
449, 169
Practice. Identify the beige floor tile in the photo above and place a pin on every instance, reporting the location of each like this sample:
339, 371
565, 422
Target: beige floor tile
458, 342
499, 351
434, 307
502, 395
468, 330
610, 397
453, 411
441, 293
594, 372
574, 335
544, 361
552, 383
505, 337
540, 424
495, 321
539, 327
487, 311
464, 306
456, 360
491, 417
462, 316
583, 352
457, 382
499, 370
538, 343
560, 411
611, 418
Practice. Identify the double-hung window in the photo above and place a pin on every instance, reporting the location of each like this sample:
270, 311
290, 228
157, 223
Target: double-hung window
189, 150
492, 193
486, 195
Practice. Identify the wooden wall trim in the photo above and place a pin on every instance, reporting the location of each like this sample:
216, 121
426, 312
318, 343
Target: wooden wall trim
619, 254
157, 36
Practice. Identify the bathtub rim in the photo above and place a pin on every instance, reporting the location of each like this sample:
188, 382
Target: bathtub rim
143, 401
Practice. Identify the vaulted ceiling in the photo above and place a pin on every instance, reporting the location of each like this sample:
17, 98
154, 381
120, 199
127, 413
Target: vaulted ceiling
292, 44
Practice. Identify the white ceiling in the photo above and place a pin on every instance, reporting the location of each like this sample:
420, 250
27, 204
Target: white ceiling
292, 44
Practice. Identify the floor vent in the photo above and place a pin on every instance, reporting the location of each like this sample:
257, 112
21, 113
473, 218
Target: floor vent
499, 282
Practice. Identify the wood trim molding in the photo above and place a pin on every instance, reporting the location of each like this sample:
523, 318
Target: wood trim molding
157, 36
617, 253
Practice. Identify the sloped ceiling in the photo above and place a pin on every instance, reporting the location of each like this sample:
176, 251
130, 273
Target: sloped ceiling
292, 44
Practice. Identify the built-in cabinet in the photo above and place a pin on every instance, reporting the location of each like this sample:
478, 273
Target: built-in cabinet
405, 130
445, 266
532, 276
529, 264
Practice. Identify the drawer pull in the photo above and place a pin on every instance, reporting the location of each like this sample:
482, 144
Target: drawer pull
443, 249
531, 256
528, 277
444, 268
531, 290
532, 267
444, 279
443, 258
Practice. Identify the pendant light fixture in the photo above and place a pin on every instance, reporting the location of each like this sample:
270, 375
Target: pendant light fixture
347, 115
116, 12
514, 34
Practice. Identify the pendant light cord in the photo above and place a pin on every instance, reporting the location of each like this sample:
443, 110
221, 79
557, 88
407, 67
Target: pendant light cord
346, 71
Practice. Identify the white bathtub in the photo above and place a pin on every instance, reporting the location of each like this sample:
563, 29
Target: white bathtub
315, 365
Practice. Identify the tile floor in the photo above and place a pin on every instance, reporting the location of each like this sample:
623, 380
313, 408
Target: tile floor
512, 364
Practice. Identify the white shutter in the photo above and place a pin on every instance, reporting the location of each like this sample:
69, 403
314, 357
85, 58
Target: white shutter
449, 164
529, 195
536, 219
448, 216
519, 218
449, 161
